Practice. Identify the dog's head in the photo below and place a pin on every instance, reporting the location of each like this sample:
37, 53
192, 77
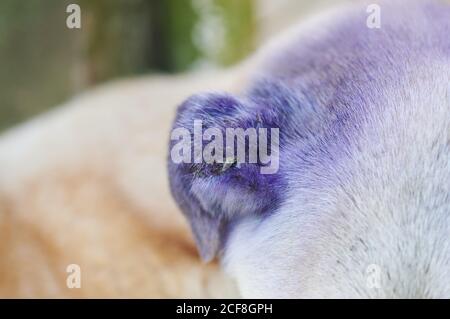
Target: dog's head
330, 175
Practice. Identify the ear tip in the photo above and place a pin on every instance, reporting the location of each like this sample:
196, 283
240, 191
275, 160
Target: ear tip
207, 234
207, 256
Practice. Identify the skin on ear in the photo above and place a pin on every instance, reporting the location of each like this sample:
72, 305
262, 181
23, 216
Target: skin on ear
215, 194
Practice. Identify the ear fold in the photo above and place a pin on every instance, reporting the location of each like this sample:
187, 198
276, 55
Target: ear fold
215, 191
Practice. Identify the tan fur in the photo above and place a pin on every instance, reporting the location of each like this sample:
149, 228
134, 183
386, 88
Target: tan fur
87, 185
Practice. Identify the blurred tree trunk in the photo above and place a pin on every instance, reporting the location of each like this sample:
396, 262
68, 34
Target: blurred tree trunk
44, 62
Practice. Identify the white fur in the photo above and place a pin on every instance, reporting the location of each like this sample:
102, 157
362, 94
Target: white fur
394, 213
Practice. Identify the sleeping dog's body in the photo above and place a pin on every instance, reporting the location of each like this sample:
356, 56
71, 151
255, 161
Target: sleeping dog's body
360, 205
86, 185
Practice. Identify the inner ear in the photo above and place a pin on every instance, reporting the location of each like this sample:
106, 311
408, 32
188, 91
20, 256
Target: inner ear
215, 191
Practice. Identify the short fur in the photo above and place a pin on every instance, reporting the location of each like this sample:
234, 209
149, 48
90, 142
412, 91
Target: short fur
364, 179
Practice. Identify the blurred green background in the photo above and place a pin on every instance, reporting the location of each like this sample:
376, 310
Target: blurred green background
44, 62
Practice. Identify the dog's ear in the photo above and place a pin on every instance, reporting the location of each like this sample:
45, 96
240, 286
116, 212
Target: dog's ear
215, 191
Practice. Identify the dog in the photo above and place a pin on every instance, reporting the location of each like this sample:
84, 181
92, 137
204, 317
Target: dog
359, 205
84, 192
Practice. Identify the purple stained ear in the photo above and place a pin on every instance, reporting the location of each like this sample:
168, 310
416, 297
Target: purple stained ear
213, 195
